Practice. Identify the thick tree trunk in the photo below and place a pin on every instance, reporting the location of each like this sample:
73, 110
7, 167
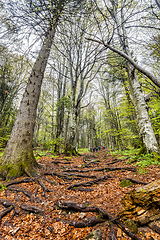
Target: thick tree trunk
18, 157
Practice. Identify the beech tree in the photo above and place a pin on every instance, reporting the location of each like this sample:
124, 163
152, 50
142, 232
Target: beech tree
42, 17
81, 58
116, 11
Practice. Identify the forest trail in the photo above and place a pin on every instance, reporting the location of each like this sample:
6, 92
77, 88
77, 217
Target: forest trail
63, 203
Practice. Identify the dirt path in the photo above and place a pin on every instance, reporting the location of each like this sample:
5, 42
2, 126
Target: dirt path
65, 202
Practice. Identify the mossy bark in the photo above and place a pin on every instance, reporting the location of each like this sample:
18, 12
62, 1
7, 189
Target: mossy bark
70, 151
24, 163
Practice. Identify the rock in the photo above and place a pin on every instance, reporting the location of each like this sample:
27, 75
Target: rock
142, 205
132, 226
95, 235
125, 183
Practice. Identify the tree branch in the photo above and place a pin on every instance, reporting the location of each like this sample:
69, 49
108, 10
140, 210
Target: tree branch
155, 80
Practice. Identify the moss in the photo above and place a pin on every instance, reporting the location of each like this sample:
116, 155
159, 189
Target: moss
143, 150
156, 156
132, 226
125, 183
23, 164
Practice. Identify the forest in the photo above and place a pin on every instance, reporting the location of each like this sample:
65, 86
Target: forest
79, 97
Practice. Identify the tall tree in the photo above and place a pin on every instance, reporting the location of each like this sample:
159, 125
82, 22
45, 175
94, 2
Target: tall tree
43, 17
116, 10
81, 58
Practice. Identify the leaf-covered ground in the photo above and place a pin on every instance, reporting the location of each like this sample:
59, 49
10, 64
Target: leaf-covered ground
37, 208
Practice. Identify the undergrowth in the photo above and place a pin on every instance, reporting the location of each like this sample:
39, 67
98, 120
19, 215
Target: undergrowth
142, 161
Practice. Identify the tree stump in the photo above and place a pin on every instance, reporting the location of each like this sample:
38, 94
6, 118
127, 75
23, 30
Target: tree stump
142, 205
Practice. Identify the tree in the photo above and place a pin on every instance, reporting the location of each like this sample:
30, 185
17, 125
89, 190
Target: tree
116, 10
43, 17
81, 57
13, 73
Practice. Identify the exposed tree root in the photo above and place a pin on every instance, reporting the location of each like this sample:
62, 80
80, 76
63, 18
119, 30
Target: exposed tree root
45, 189
102, 169
7, 203
39, 189
87, 222
59, 175
25, 180
112, 235
89, 182
36, 191
84, 189
80, 175
135, 181
31, 208
47, 180
5, 211
103, 215
115, 161
59, 162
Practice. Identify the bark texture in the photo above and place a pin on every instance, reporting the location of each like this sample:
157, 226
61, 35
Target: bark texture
142, 205
18, 157
146, 132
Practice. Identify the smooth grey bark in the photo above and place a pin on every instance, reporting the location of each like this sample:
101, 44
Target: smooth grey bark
18, 157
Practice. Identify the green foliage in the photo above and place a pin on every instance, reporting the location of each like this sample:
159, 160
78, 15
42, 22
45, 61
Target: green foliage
2, 187
147, 160
1, 154
142, 161
83, 150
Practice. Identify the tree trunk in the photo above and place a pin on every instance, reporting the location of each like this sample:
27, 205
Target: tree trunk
146, 132
18, 157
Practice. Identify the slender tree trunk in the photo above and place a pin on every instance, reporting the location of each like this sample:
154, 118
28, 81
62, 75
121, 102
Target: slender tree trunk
18, 157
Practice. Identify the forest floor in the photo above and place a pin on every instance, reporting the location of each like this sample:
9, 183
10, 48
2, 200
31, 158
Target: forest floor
62, 202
